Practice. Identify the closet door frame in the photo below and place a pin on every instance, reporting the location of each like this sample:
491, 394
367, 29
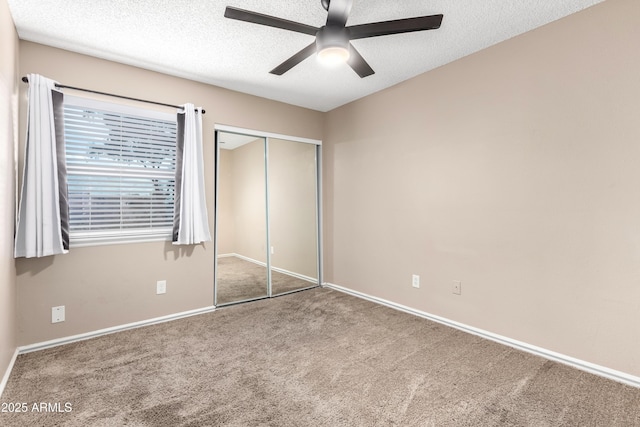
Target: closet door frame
266, 136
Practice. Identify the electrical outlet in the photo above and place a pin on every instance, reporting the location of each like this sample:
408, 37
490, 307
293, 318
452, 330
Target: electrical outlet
57, 314
272, 251
457, 287
415, 281
161, 287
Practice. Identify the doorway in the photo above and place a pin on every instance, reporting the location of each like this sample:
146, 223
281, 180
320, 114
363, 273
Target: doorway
267, 219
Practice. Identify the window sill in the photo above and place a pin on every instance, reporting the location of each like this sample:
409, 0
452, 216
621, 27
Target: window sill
85, 241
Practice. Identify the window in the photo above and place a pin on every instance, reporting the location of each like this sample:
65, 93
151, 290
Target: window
121, 164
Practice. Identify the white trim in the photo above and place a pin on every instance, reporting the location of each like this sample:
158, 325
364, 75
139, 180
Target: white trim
93, 334
7, 373
226, 255
255, 261
216, 190
295, 275
278, 269
259, 133
592, 368
267, 211
319, 215
83, 242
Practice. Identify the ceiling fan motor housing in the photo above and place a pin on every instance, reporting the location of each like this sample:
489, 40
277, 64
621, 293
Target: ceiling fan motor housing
332, 37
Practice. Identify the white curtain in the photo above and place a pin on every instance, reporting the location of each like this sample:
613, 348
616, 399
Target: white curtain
42, 227
191, 224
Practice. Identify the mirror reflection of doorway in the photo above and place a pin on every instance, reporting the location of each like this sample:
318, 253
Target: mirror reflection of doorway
266, 216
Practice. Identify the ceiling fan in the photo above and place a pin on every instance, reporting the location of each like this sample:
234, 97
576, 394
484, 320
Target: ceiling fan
333, 40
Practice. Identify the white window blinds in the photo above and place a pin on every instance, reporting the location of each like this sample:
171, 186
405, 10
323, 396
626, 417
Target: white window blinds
121, 164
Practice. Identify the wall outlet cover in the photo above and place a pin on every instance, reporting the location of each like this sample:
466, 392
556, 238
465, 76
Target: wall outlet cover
161, 287
457, 287
415, 281
57, 314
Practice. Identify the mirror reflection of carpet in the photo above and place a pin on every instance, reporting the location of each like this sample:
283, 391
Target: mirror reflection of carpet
240, 280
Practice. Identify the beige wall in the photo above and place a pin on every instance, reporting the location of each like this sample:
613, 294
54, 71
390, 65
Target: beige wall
249, 201
515, 171
8, 140
105, 286
226, 234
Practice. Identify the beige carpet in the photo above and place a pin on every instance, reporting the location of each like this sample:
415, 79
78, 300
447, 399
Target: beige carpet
240, 280
313, 358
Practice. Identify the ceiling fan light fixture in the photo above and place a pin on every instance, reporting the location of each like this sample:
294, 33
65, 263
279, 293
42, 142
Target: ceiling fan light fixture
332, 45
332, 56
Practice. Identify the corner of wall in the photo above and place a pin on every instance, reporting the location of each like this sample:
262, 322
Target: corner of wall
8, 144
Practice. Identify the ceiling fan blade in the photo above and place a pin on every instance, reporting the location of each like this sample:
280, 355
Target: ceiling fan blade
339, 11
397, 26
357, 62
294, 60
270, 21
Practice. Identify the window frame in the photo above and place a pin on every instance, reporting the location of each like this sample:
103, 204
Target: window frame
122, 236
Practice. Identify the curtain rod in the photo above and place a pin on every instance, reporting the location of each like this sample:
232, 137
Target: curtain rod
59, 86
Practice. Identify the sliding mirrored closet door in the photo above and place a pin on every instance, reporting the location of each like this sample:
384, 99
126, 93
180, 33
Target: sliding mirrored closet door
267, 217
241, 219
293, 215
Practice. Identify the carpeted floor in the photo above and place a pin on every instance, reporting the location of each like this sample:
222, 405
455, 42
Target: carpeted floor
313, 358
240, 280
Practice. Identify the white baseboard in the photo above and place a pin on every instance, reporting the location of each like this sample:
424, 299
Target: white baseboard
602, 371
7, 373
279, 270
81, 337
246, 258
296, 275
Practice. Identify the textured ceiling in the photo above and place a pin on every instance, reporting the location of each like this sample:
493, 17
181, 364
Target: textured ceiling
192, 39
